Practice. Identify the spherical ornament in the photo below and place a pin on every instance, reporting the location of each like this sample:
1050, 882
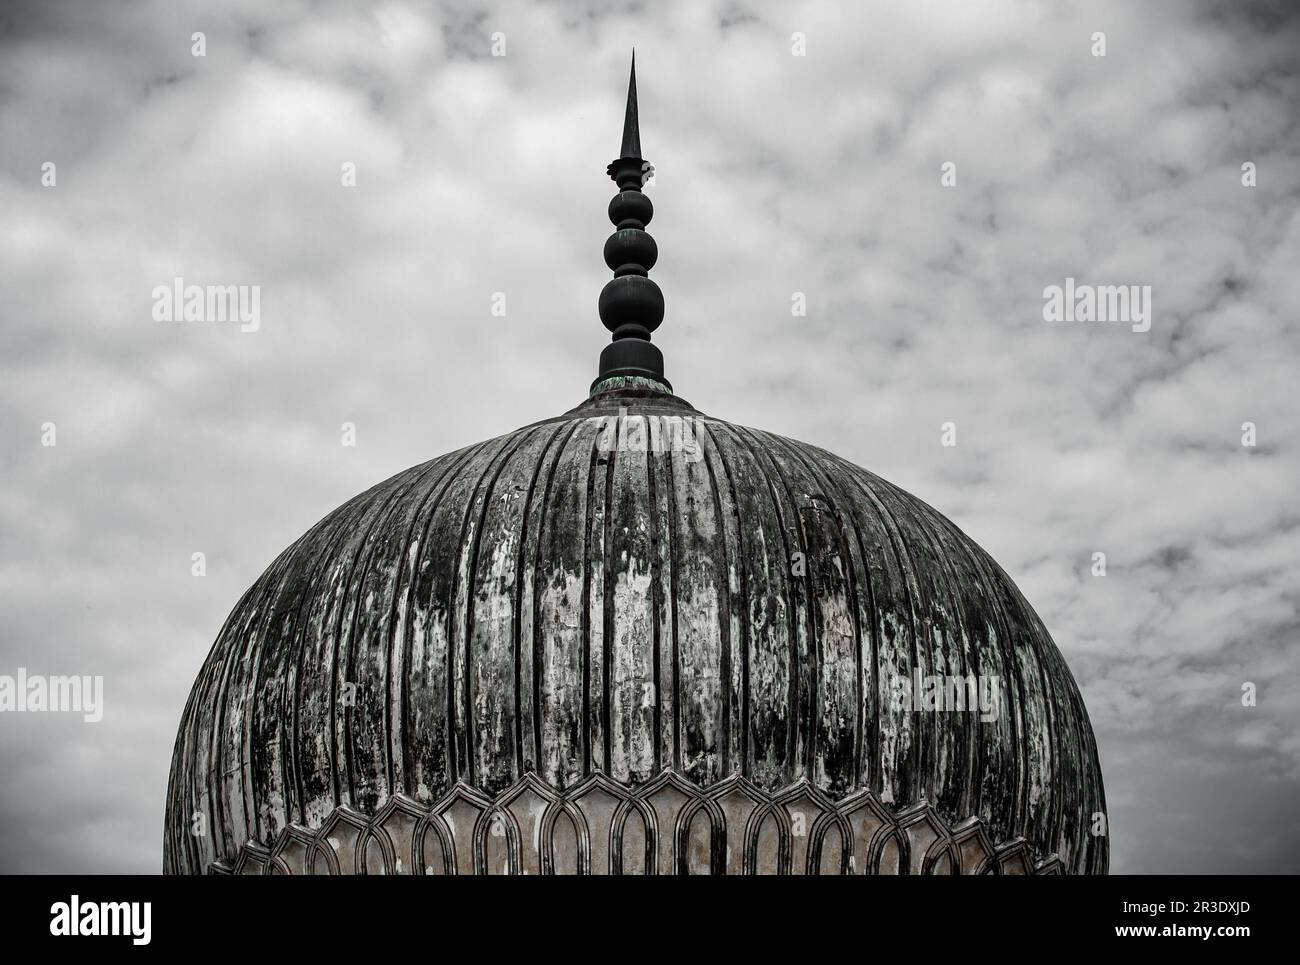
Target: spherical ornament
631, 206
631, 298
631, 246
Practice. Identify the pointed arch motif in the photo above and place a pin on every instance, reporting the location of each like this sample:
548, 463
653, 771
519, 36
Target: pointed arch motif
667, 825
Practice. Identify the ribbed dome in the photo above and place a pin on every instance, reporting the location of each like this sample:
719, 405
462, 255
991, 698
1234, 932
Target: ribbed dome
636, 595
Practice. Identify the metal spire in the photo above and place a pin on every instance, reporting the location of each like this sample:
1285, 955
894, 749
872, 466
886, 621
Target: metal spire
631, 123
631, 305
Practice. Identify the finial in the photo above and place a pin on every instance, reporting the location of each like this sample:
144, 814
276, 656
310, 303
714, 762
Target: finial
631, 305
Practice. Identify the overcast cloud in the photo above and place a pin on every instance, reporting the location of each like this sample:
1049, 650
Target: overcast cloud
776, 174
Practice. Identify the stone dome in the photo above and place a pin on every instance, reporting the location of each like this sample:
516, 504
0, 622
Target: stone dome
630, 590
634, 639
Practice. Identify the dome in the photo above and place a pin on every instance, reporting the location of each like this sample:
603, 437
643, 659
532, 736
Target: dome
634, 638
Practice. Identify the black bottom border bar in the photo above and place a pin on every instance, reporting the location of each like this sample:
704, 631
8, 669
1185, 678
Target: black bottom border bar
937, 917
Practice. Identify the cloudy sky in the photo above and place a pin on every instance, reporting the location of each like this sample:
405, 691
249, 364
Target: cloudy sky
777, 174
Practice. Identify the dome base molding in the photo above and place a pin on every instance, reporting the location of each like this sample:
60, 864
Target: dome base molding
665, 826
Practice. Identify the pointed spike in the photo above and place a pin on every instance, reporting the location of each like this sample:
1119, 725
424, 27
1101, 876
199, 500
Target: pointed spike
631, 122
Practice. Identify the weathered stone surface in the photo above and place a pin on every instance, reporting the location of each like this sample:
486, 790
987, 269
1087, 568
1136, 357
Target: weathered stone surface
550, 610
